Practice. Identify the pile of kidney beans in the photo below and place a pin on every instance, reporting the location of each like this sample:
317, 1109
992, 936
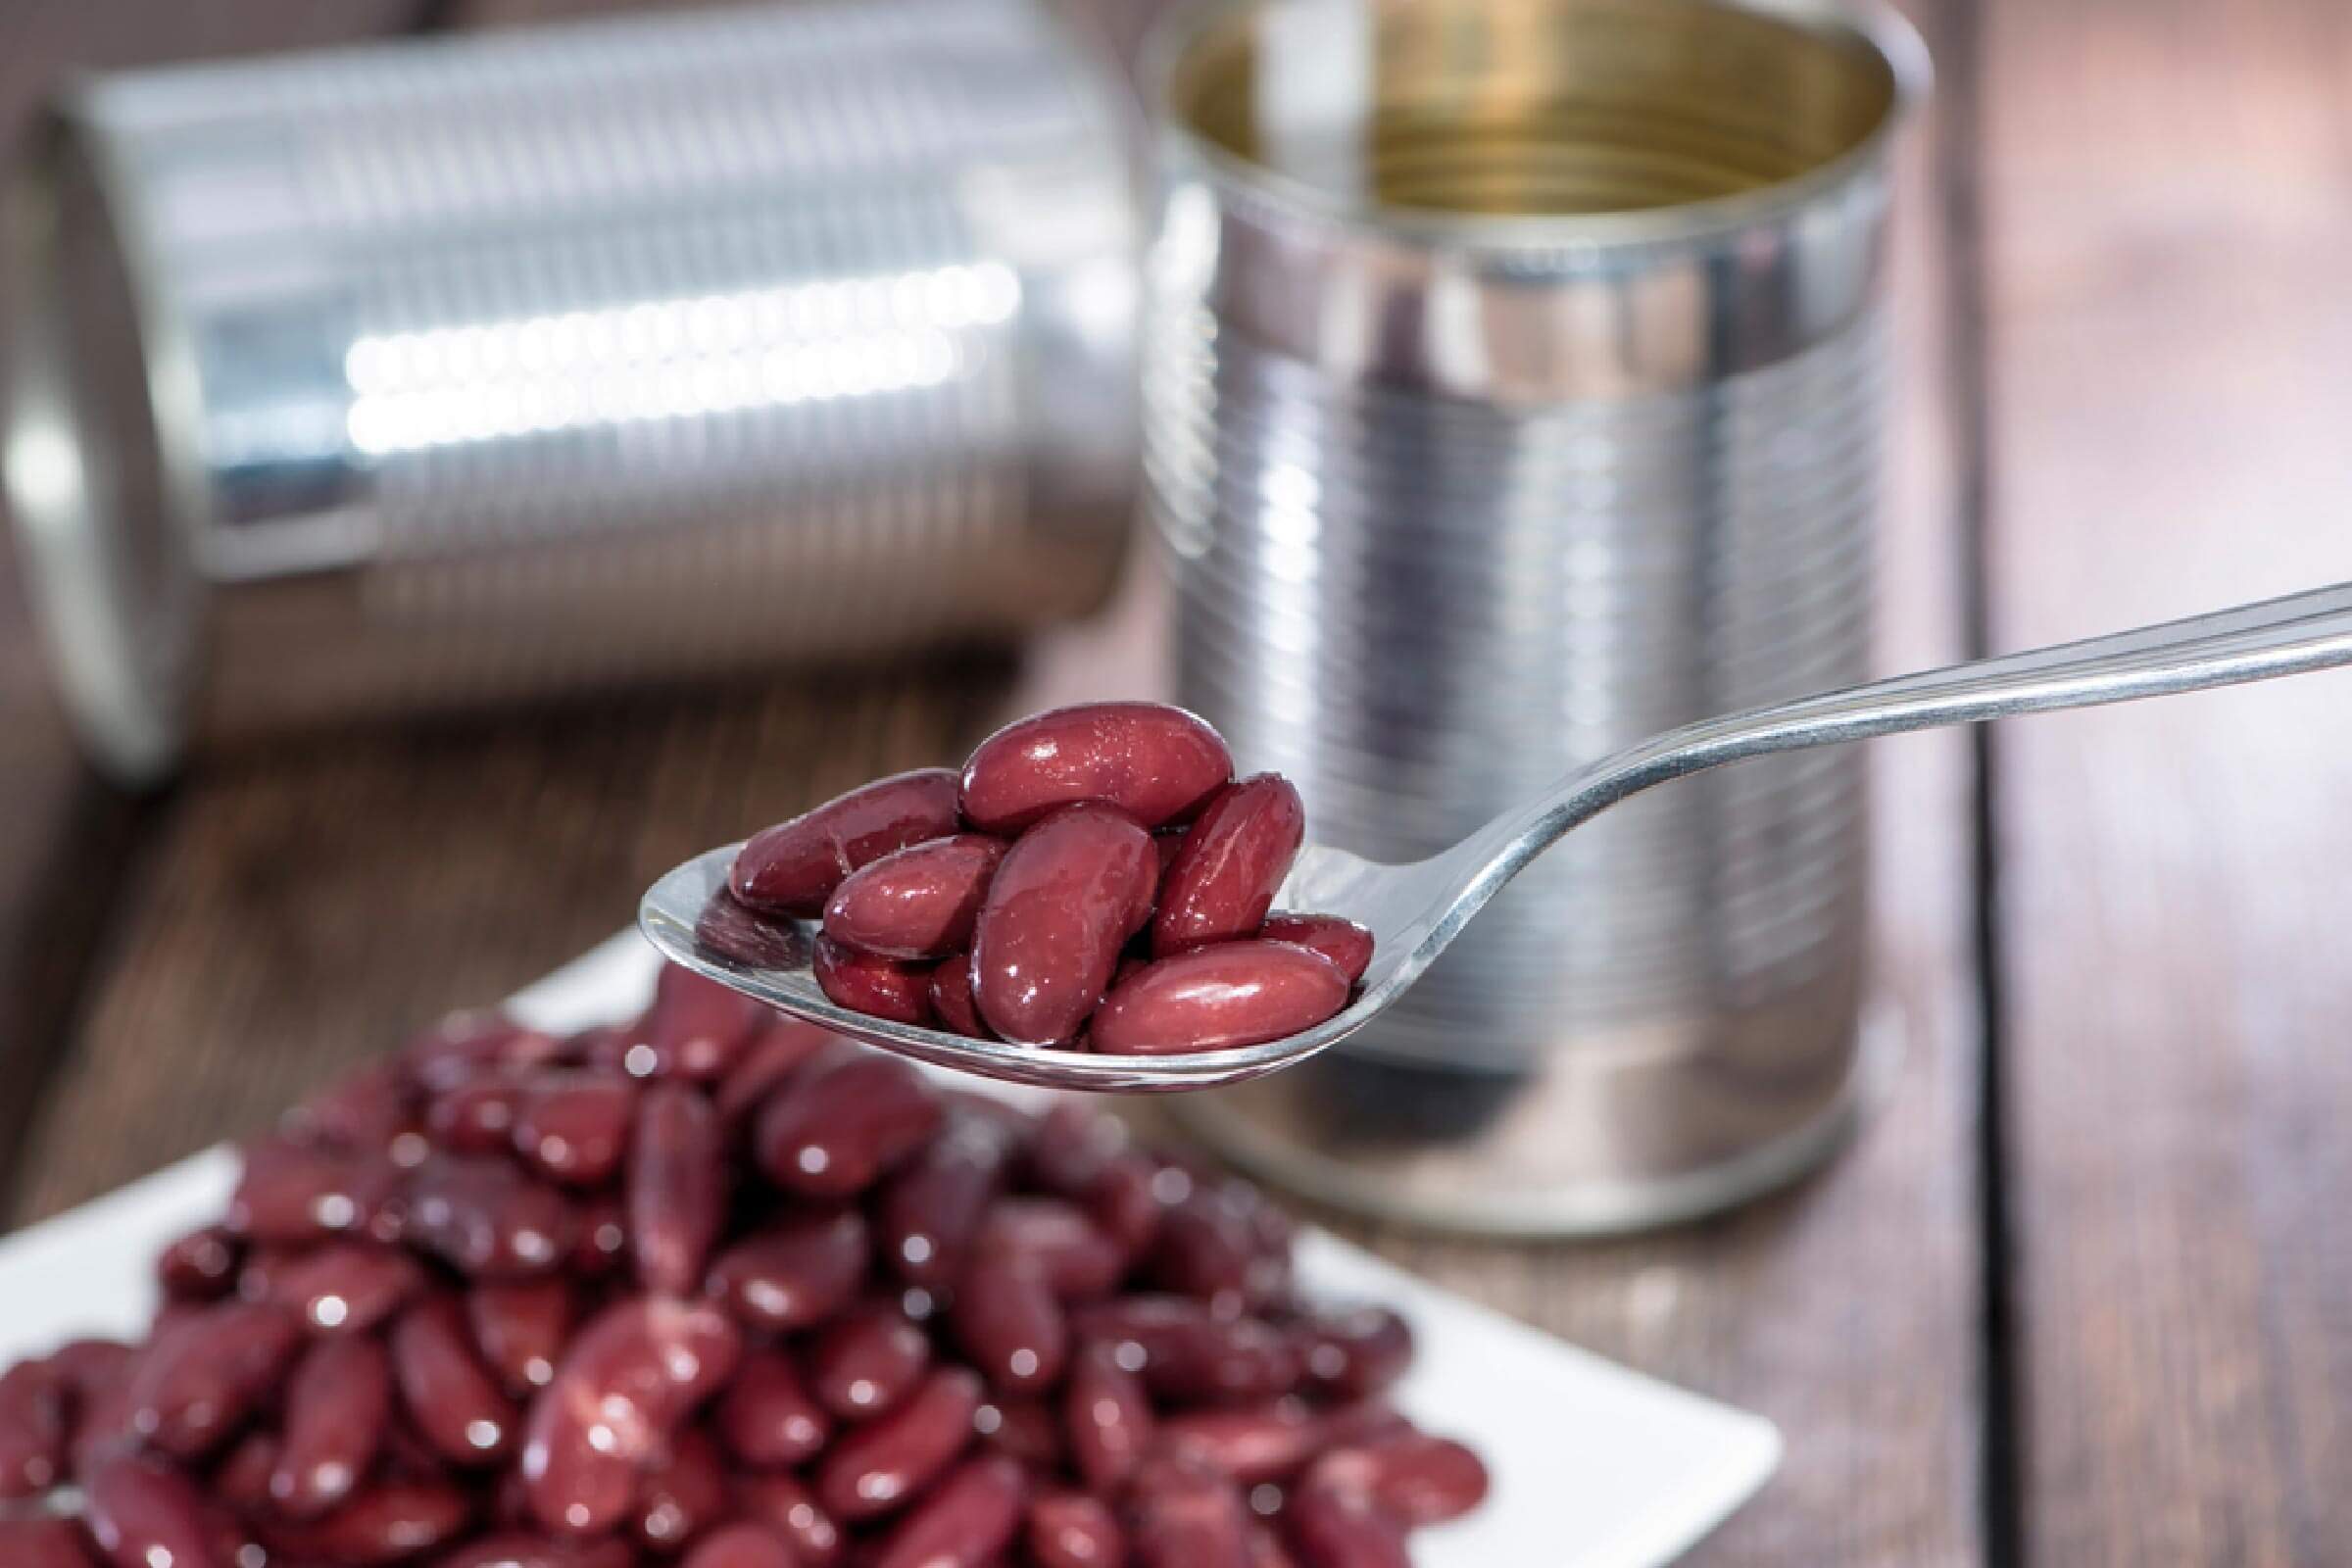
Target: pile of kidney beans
1096, 878
721, 1288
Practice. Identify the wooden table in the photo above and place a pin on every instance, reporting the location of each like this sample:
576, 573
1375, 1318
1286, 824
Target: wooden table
2080, 1295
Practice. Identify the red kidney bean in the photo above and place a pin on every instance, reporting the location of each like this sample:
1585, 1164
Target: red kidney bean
1218, 998
1050, 931
45, 1543
32, 1429
200, 1266
241, 1476
1333, 1529
514, 1549
784, 1505
792, 867
103, 1417
631, 1378
1361, 1422
1125, 1201
1343, 941
1183, 1516
1153, 763
1075, 1257
1209, 1246
338, 1404
681, 1494
1024, 1431
796, 1273
600, 1242
874, 1468
918, 903
726, 926
467, 1045
696, 1028
293, 1195
777, 1053
1221, 883
869, 983
1266, 1549
1073, 1145
197, 1383
847, 1118
1168, 843
767, 1417
867, 1360
744, 1546
520, 1327
1008, 1322
84, 1367
1071, 1530
952, 1003
1249, 1445
142, 1512
1190, 1355
389, 1522
1354, 1352
963, 1522
574, 1126
451, 1397
1410, 1476
474, 1119
1111, 1426
347, 1287
930, 1210
360, 1112
677, 1188
486, 1220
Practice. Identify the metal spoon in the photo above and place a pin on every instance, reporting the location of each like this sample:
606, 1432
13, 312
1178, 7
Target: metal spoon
1416, 911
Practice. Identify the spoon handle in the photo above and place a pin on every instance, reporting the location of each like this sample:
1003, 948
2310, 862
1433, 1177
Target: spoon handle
2305, 631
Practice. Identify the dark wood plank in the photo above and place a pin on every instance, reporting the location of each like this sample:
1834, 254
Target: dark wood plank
2169, 232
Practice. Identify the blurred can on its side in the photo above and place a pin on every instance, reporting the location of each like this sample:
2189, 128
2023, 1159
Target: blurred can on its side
426, 375
1513, 374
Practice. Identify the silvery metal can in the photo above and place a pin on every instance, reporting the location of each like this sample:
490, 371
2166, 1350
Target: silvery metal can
1512, 388
423, 375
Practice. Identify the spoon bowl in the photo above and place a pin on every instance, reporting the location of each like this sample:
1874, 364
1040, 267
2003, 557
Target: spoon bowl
1415, 910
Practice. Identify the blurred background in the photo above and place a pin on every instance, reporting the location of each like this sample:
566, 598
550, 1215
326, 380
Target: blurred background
2074, 1294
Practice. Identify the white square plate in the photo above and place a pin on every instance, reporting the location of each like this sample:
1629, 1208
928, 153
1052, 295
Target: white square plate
1594, 1466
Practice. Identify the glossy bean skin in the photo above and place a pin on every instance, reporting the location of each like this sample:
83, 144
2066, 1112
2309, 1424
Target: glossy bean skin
348, 1288
931, 1208
683, 1492
917, 903
240, 1477
1223, 880
32, 1429
516, 1549
1343, 941
1182, 1516
696, 1029
486, 1220
1008, 1321
1210, 1246
1334, 1529
1410, 1476
866, 1360
1049, 932
142, 1512
338, 1404
197, 1383
775, 1054
1083, 1154
953, 1005
1155, 763
452, 1398
476, 1117
869, 983
200, 1266
1192, 1356
873, 1468
1110, 1422
289, 1195
600, 1237
1076, 1258
767, 1419
741, 1545
846, 1119
389, 1522
784, 1505
45, 1543
963, 1522
1073, 1530
792, 867
1218, 998
677, 1188
1246, 1444
1354, 1353
629, 1379
574, 1126
520, 1327
1027, 1432
794, 1274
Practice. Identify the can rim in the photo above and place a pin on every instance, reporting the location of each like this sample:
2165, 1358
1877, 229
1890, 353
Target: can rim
94, 615
1874, 24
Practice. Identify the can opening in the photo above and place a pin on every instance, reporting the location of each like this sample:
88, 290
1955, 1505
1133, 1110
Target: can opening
1534, 107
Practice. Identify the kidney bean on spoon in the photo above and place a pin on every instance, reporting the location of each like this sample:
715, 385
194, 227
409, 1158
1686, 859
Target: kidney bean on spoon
869, 983
1155, 763
1214, 998
792, 867
919, 902
1343, 941
1223, 880
952, 1003
1048, 934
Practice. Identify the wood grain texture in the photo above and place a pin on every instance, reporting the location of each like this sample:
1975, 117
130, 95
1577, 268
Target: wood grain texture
2169, 232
